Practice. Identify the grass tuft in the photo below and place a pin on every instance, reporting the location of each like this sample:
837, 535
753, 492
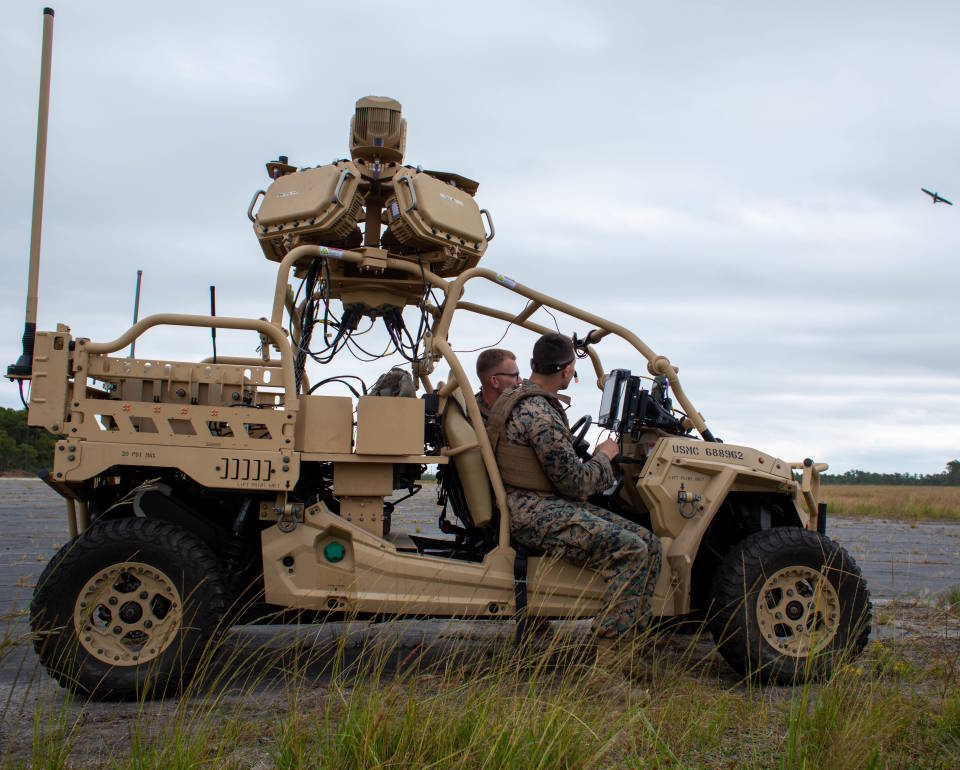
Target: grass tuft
459, 695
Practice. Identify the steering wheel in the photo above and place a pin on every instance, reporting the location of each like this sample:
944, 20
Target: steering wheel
578, 432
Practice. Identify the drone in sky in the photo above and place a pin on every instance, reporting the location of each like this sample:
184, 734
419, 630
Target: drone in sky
936, 197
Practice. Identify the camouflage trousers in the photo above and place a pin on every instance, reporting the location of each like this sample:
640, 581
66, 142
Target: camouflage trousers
626, 555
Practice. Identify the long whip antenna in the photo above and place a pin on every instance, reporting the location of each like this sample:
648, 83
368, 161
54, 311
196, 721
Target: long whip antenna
213, 314
136, 310
23, 369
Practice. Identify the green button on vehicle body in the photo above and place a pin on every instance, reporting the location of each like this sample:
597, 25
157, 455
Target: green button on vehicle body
334, 551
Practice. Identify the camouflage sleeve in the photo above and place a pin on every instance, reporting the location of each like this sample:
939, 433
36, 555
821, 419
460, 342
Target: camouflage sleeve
550, 440
484, 409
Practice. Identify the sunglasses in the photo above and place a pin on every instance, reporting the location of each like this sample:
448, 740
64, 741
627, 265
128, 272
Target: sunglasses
511, 375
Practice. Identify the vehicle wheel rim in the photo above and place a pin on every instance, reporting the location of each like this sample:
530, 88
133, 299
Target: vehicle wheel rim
798, 611
127, 614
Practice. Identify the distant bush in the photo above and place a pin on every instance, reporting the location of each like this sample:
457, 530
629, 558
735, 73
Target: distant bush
23, 448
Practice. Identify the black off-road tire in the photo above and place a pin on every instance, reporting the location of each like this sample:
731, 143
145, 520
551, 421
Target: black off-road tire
787, 604
128, 609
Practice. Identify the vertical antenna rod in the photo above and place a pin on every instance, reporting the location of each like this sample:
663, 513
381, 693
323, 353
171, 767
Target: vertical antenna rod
23, 369
136, 310
213, 313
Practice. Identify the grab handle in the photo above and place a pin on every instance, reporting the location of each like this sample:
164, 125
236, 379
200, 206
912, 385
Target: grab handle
344, 176
493, 231
250, 214
413, 193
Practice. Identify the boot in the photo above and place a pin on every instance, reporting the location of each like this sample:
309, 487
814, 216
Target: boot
608, 653
619, 655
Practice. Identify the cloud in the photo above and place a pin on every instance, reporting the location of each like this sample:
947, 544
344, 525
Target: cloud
742, 189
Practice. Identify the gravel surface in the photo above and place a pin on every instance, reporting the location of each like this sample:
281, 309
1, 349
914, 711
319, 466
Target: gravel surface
904, 564
899, 560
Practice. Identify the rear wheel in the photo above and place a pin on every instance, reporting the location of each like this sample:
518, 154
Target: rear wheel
788, 603
128, 608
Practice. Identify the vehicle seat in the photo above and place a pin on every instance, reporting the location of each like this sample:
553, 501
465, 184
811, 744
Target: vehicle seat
458, 432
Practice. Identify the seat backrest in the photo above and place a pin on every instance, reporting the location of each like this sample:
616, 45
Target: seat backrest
458, 432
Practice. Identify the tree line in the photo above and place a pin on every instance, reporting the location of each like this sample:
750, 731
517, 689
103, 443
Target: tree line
23, 448
948, 478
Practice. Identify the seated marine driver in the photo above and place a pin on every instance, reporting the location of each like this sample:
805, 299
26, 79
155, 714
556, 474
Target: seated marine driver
547, 485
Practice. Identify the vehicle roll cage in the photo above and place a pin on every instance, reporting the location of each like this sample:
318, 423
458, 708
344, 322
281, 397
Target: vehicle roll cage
437, 345
453, 291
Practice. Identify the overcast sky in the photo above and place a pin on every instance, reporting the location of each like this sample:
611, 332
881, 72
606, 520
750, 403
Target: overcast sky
739, 183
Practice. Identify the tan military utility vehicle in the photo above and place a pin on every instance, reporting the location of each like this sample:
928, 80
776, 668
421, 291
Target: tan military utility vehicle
187, 482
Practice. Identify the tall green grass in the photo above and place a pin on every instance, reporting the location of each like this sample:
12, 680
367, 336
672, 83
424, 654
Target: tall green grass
355, 695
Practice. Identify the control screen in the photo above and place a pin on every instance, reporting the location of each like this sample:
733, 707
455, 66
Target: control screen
614, 396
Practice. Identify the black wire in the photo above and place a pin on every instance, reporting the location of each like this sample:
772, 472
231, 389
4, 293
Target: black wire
307, 320
303, 313
427, 287
395, 328
342, 325
504, 335
339, 333
295, 298
414, 345
580, 347
424, 315
22, 399
309, 316
340, 378
352, 348
484, 347
326, 299
326, 355
365, 331
555, 324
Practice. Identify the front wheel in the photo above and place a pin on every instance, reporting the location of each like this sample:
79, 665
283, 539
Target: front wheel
788, 603
128, 608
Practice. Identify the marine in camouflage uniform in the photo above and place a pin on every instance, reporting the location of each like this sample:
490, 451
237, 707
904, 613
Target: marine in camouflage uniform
560, 522
484, 409
497, 371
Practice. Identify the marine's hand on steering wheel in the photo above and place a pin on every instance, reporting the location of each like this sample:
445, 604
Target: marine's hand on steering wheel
611, 448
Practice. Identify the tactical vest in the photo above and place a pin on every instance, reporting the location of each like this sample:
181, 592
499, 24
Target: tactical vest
518, 463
